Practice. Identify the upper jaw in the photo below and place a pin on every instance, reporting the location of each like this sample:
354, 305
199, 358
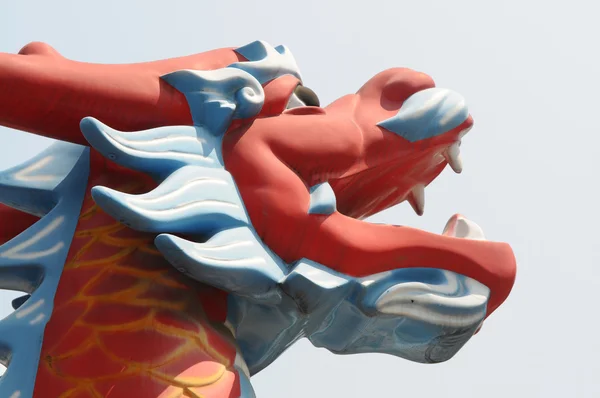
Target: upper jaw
431, 113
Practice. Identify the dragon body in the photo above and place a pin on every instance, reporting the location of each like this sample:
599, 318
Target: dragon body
200, 214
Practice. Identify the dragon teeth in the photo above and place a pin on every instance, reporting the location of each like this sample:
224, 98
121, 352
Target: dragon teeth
453, 158
452, 154
416, 198
461, 227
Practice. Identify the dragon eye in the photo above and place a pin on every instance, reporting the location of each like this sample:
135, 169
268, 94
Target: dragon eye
307, 96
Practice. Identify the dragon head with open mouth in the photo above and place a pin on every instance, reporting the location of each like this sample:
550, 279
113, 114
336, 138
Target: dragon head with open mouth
262, 193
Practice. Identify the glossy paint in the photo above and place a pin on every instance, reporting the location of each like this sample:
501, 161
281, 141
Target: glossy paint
222, 221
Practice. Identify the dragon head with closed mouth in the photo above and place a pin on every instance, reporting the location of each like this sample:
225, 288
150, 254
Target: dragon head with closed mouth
263, 194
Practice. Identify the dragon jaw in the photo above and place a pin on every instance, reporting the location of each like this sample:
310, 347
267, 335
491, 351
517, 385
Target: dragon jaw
424, 315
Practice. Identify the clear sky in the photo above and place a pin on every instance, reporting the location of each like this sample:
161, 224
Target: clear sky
530, 73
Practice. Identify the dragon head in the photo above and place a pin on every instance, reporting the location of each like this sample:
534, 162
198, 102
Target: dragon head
264, 196
399, 132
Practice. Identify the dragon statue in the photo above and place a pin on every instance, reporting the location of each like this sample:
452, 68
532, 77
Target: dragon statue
196, 216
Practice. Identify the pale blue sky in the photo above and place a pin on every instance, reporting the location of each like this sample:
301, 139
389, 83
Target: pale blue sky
529, 70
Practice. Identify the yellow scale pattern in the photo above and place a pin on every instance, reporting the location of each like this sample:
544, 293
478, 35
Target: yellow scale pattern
127, 325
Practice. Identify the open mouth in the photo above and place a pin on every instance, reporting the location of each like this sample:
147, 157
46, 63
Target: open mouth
458, 301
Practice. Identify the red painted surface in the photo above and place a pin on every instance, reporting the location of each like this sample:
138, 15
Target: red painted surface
47, 94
